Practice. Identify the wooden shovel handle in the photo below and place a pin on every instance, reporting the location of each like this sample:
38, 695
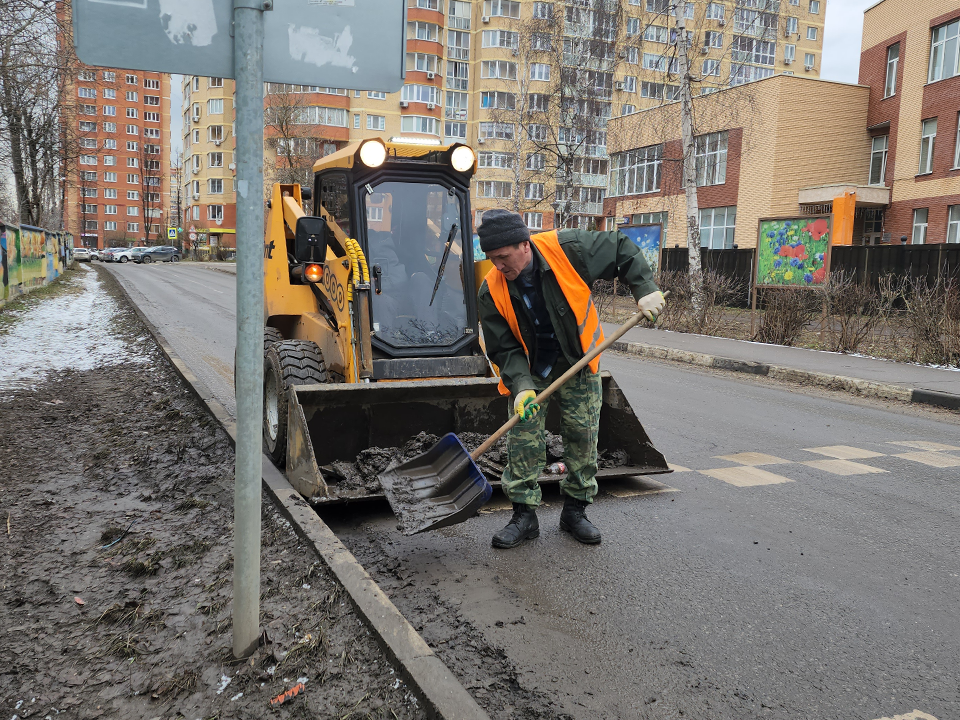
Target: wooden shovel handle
577, 367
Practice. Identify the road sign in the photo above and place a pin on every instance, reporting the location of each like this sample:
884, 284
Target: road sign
332, 43
171, 233
192, 236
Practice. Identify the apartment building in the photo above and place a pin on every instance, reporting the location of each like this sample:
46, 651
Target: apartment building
910, 61
761, 150
208, 197
117, 187
532, 85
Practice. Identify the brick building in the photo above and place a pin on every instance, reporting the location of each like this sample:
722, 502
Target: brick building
117, 188
910, 61
483, 72
788, 146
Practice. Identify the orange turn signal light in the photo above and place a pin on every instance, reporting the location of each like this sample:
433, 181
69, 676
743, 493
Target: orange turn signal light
313, 273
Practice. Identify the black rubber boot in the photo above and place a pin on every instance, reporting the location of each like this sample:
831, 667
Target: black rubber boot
573, 519
522, 526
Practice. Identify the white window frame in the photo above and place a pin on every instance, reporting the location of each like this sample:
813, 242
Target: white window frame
636, 172
928, 137
711, 158
710, 228
890, 81
919, 234
812, 32
944, 41
953, 224
879, 154
376, 122
533, 220
814, 7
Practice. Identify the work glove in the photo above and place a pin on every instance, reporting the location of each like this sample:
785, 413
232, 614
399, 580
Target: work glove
524, 405
651, 305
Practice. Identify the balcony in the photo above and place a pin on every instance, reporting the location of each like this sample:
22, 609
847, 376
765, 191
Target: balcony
457, 53
454, 113
458, 23
457, 83
586, 208
588, 180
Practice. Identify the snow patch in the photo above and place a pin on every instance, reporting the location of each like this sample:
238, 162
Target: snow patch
70, 332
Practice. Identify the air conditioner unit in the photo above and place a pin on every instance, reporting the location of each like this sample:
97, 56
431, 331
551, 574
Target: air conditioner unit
808, 67
515, 52
232, 166
721, 22
787, 61
404, 103
430, 106
622, 54
705, 49
618, 85
787, 33
196, 118
196, 196
218, 143
485, 18
431, 76
481, 141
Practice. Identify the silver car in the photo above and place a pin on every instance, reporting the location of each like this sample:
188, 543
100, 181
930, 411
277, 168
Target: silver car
82, 254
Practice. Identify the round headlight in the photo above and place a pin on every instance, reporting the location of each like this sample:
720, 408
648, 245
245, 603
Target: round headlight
372, 154
313, 273
462, 158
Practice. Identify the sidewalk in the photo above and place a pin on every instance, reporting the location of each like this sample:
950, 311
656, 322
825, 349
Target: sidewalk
861, 375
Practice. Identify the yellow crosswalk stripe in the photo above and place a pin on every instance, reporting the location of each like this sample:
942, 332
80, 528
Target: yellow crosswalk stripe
842, 467
844, 452
746, 476
933, 459
753, 458
923, 445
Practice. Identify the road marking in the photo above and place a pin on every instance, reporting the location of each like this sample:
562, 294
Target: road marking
677, 468
915, 715
923, 445
933, 459
842, 467
746, 476
634, 487
753, 458
844, 452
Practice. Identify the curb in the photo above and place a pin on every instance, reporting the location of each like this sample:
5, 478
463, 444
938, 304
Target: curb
442, 695
854, 386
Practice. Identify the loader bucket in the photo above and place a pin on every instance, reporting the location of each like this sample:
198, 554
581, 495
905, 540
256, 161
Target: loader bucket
334, 423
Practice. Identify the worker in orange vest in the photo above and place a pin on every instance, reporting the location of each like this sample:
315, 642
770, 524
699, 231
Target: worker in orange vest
538, 319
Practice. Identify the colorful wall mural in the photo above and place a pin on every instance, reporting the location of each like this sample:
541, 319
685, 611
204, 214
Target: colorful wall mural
30, 258
794, 251
648, 238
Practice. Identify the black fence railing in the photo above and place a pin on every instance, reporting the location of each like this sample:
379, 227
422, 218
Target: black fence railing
867, 263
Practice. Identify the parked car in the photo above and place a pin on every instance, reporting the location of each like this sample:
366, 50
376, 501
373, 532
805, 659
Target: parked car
95, 254
136, 252
82, 254
160, 253
122, 255
108, 254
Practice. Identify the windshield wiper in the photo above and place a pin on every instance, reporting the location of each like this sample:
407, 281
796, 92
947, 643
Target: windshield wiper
443, 262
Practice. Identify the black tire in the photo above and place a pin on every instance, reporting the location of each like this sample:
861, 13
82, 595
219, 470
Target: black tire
123, 259
289, 362
270, 336
175, 258
146, 259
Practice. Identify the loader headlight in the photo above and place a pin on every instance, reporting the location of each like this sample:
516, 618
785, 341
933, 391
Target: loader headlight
373, 153
313, 273
462, 158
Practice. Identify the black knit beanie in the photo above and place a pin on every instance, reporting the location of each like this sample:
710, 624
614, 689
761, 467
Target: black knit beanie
500, 228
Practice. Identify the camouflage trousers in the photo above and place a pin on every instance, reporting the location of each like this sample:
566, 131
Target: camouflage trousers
580, 399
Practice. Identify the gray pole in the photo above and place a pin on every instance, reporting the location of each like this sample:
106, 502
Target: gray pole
248, 66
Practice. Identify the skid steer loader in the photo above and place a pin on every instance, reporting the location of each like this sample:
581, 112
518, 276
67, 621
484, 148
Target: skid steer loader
371, 331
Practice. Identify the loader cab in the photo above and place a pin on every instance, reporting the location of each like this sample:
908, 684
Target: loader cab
408, 205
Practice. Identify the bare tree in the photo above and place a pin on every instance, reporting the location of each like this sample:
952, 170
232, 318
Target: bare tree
151, 189
175, 215
292, 134
8, 206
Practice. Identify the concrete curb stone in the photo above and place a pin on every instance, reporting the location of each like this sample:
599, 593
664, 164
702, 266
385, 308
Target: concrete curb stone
442, 695
854, 386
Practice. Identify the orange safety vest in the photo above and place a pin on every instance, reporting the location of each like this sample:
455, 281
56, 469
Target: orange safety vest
574, 289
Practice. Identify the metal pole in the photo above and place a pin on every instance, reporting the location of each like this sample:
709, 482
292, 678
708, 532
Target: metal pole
248, 67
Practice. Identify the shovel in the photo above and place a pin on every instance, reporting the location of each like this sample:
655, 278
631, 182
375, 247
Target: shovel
444, 486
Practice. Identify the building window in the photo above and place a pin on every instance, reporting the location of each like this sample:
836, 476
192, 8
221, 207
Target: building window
420, 124
215, 106
956, 149
711, 157
109, 177
543, 10
537, 132
809, 60
711, 67
944, 56
814, 7
374, 95
637, 171
133, 179
713, 39
87, 76
88, 126
85, 92
789, 53
495, 160
131, 79
494, 189
893, 60
109, 209
89, 143
133, 211
497, 38
657, 34
420, 93
376, 122
628, 109
793, 26
215, 133
215, 82
717, 227
110, 110
540, 71
919, 226
88, 159
356, 120
109, 127
422, 31
953, 224
928, 134
535, 161
533, 191
133, 130
90, 225
496, 131
133, 194
152, 84
131, 96
89, 209
501, 8
151, 132
151, 116
133, 227
714, 11
110, 193
110, 225
630, 83
132, 162
133, 113
501, 69
811, 33
215, 212
878, 160
455, 130
215, 186
533, 220
88, 192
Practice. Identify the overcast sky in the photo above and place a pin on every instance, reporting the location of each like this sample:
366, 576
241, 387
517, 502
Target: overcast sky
841, 39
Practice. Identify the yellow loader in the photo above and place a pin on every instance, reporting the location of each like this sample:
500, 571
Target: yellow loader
371, 332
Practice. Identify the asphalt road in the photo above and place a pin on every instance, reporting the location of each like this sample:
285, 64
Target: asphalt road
799, 587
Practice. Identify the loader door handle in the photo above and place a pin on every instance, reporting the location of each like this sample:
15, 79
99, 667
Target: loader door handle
377, 275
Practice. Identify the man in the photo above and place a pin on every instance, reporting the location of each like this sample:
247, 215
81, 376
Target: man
538, 319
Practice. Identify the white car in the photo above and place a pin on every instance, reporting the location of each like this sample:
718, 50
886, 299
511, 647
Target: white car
82, 254
125, 254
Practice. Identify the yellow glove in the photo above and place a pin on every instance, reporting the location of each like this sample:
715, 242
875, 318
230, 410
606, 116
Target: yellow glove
524, 405
651, 305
